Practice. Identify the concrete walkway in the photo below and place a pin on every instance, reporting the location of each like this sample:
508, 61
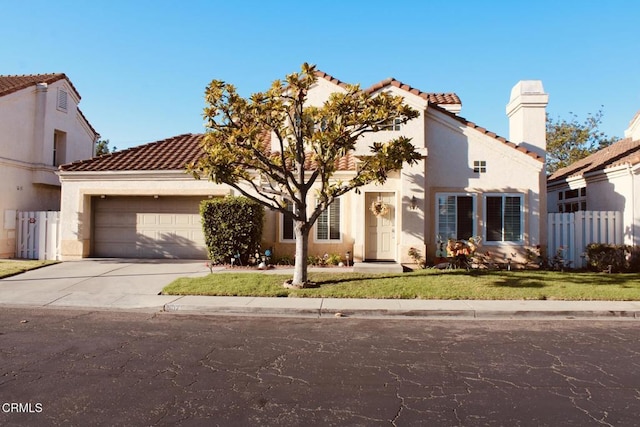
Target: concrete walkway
116, 284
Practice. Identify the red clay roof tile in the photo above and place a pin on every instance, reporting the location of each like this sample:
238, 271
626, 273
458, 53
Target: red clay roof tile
169, 154
625, 151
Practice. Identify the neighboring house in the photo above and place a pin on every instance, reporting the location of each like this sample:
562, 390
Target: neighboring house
41, 127
607, 180
470, 182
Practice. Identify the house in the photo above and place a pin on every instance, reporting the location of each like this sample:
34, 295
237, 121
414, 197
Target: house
470, 182
41, 127
607, 180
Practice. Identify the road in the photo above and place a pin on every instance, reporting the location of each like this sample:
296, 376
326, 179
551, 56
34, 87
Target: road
63, 367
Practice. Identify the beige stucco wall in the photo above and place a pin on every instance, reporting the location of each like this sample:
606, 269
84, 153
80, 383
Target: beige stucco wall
28, 120
453, 148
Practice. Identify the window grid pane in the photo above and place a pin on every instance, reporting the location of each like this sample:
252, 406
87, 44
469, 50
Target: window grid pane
447, 217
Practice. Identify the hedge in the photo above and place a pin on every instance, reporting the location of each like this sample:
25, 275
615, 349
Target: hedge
231, 225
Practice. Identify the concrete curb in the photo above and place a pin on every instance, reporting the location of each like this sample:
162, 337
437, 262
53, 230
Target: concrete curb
328, 307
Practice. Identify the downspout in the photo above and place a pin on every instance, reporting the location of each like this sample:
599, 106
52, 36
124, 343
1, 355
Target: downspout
633, 206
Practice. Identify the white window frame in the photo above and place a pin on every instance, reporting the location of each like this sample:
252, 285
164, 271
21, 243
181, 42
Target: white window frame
328, 212
479, 166
474, 199
485, 239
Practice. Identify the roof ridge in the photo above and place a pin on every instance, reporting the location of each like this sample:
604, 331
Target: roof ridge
625, 150
432, 97
330, 78
486, 132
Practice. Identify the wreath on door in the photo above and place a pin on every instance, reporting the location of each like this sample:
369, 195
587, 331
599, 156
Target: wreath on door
379, 208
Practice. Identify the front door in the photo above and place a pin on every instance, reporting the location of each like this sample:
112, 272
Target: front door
380, 228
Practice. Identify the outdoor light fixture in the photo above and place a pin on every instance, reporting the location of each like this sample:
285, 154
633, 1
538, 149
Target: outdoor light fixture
414, 203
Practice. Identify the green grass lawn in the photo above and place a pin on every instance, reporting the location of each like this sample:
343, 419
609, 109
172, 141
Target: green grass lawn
424, 284
9, 267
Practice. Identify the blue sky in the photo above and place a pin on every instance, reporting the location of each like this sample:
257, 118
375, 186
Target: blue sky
141, 66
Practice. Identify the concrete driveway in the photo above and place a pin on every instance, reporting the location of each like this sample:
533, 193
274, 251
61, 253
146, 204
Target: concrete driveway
99, 283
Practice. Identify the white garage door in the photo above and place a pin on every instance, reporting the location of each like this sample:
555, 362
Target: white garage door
148, 227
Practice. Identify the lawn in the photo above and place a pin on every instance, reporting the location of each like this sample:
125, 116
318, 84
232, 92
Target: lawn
424, 284
10, 267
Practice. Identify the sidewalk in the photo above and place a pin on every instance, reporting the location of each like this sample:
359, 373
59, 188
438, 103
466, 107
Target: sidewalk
136, 284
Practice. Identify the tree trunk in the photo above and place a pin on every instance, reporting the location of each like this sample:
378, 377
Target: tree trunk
302, 250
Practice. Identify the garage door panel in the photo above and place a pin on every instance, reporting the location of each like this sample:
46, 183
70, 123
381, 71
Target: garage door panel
145, 227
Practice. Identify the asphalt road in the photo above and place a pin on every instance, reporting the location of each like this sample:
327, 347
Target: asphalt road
116, 368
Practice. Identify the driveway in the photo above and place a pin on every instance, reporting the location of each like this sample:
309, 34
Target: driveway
104, 283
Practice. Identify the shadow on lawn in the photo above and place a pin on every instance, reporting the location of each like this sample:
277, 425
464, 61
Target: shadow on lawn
537, 279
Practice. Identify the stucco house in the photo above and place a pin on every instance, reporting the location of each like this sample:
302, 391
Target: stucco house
470, 182
41, 127
607, 180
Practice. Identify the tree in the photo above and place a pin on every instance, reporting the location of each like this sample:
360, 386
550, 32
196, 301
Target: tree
102, 147
309, 140
570, 141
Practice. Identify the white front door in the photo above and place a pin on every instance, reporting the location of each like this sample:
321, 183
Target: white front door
380, 229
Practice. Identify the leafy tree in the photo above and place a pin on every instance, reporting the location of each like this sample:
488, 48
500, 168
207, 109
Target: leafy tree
570, 141
102, 147
309, 140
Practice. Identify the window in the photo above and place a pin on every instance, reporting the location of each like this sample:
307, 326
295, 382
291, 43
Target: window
61, 103
455, 216
503, 218
59, 147
287, 225
572, 200
394, 125
479, 166
328, 224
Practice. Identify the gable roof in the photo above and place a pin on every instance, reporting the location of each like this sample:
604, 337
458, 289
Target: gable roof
435, 101
625, 151
166, 155
490, 134
435, 98
14, 83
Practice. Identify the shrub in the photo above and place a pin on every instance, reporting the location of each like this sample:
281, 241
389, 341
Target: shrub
621, 258
231, 225
333, 259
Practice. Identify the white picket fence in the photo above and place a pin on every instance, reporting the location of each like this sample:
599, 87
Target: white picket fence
38, 235
570, 233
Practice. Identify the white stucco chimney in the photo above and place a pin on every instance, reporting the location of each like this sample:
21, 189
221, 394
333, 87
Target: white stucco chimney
527, 116
633, 131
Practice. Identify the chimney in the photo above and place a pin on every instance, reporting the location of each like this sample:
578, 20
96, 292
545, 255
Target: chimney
527, 116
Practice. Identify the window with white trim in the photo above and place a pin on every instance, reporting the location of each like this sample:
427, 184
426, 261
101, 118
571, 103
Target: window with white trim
59, 147
328, 223
393, 125
572, 200
455, 215
479, 166
286, 225
504, 217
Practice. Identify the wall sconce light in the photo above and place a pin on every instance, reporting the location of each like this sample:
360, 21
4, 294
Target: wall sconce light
155, 196
414, 203
102, 196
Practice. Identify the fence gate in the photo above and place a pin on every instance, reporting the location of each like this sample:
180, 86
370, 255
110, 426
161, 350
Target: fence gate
38, 235
570, 233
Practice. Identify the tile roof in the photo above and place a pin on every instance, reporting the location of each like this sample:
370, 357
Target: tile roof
435, 98
625, 151
10, 84
486, 132
13, 83
168, 154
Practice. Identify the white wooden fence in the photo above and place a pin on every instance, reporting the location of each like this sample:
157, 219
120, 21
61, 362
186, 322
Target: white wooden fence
570, 233
38, 235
